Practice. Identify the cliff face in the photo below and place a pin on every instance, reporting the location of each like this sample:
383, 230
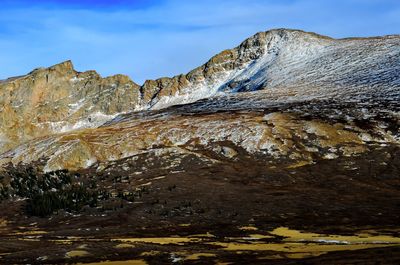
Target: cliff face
206, 79
287, 65
59, 99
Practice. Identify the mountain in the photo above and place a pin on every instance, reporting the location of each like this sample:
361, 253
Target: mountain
60, 99
288, 61
290, 128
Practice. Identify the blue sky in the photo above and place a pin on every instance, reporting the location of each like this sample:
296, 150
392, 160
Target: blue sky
151, 39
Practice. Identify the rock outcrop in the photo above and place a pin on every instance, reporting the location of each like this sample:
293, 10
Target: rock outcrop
60, 99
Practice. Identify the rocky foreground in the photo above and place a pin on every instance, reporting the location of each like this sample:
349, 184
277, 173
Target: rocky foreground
282, 150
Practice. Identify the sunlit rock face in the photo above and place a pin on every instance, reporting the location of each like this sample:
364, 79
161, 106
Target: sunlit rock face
282, 96
59, 99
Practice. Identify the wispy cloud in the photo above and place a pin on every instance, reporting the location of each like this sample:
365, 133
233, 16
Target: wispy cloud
149, 39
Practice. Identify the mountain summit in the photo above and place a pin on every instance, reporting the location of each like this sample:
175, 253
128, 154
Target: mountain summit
285, 60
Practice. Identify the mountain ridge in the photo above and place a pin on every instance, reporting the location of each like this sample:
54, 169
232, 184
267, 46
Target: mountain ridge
69, 61
291, 63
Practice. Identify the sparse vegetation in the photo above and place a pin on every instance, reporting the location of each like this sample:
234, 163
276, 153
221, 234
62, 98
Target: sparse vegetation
47, 193
71, 199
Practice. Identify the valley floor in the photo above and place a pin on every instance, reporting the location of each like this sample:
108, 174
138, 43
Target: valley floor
337, 211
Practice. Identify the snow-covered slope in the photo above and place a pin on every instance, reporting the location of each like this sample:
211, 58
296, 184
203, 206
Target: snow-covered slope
291, 61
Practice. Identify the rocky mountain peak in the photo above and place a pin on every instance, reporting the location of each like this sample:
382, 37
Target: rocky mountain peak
58, 99
277, 59
63, 67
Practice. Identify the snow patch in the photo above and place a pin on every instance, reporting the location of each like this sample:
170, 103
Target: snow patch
74, 107
90, 162
331, 156
192, 93
329, 241
76, 79
94, 120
